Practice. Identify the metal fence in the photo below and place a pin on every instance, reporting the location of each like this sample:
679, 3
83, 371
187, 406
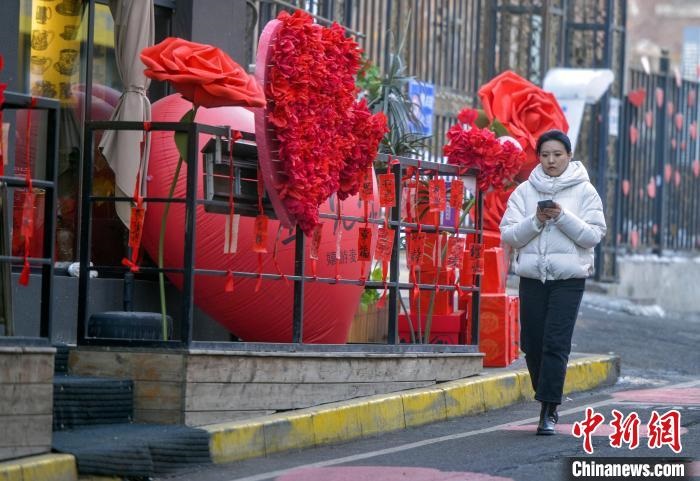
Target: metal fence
183, 336
660, 174
443, 44
459, 45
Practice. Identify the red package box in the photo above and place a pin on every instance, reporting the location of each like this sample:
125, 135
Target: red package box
445, 328
497, 332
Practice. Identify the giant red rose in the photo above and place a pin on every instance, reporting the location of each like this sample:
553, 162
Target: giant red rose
203, 74
524, 109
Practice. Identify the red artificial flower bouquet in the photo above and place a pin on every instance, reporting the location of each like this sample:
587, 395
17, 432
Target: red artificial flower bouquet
327, 138
524, 110
501, 139
497, 159
202, 74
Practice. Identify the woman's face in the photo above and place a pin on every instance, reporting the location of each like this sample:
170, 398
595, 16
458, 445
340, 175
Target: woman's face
554, 158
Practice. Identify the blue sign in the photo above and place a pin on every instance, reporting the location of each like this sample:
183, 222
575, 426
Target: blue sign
423, 97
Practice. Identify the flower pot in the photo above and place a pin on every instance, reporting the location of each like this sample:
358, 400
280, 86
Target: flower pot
370, 324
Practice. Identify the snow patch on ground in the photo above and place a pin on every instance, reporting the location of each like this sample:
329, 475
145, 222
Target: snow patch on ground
615, 304
665, 259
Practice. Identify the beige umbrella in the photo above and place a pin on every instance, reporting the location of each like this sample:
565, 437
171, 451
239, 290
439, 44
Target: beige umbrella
133, 31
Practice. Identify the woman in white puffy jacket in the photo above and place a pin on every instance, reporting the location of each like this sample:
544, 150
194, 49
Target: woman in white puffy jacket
553, 221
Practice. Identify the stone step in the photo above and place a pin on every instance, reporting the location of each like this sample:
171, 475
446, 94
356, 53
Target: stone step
134, 450
82, 401
61, 360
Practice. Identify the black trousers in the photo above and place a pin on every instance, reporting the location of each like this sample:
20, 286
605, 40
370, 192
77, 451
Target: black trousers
547, 316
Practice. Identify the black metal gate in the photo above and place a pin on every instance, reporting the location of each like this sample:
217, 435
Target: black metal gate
460, 44
660, 174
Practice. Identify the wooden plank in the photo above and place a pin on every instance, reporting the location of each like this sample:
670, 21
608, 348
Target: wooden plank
202, 418
336, 369
22, 451
25, 430
146, 366
154, 416
158, 395
264, 396
26, 399
19, 368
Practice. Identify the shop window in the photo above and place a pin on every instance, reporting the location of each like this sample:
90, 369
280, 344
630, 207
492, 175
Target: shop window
53, 44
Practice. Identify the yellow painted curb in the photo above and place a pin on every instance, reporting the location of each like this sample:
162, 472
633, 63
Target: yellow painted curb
383, 413
363, 417
45, 467
423, 406
590, 372
292, 430
230, 442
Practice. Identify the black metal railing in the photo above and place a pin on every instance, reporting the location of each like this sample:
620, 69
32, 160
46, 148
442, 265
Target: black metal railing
300, 277
45, 181
660, 184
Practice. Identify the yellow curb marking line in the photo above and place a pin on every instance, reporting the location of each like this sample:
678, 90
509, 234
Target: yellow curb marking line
349, 419
45, 467
354, 419
230, 442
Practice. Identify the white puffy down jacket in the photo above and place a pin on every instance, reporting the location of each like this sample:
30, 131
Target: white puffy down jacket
561, 248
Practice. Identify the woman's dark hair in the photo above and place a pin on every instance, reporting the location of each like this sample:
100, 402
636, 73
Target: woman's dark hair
554, 135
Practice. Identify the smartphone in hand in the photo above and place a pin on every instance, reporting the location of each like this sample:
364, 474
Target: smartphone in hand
546, 204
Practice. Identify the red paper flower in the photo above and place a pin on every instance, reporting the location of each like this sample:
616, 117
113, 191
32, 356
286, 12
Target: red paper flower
202, 74
524, 109
472, 147
367, 133
326, 139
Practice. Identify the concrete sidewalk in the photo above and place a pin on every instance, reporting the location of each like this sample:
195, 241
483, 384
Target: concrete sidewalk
357, 418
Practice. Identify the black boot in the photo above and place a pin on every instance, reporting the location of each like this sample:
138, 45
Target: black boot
548, 419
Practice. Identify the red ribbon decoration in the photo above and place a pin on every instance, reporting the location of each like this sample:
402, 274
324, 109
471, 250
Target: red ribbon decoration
28, 213
314, 246
258, 223
274, 255
338, 238
229, 281
137, 215
233, 137
135, 227
382, 253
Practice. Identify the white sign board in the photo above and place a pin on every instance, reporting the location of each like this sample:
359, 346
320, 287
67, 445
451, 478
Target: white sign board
614, 117
573, 111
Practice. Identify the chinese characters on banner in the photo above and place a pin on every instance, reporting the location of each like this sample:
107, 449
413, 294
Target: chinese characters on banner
364, 244
437, 196
260, 245
136, 226
455, 252
387, 190
662, 430
315, 241
476, 252
456, 194
385, 244
366, 185
416, 248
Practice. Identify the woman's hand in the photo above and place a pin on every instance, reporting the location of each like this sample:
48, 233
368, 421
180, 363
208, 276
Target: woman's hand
550, 213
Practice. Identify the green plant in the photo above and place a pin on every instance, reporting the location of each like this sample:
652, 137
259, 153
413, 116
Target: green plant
388, 93
370, 296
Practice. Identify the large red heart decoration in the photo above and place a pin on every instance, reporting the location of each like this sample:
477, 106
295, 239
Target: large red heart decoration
265, 316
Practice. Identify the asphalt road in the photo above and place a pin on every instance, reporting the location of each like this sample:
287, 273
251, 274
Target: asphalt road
660, 372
